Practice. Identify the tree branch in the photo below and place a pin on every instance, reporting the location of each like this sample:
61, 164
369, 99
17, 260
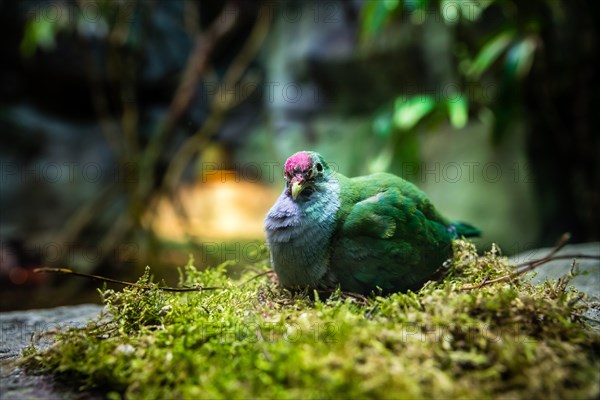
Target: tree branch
67, 271
531, 265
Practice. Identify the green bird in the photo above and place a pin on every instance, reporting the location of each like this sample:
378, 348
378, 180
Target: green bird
375, 233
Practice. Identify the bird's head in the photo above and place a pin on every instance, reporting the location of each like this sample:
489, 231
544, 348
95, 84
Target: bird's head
303, 172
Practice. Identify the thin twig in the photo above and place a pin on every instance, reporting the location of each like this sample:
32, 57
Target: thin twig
85, 213
371, 312
561, 257
197, 142
137, 285
221, 105
586, 317
124, 283
355, 296
222, 101
531, 265
559, 245
195, 68
269, 272
115, 234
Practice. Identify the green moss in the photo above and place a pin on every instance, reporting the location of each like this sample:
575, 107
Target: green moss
509, 339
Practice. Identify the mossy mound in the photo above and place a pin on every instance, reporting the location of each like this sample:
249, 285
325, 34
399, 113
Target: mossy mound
509, 340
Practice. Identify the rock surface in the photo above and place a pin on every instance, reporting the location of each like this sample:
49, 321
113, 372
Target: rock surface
588, 281
18, 329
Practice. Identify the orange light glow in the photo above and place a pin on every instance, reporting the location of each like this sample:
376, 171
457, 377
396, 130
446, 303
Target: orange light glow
214, 209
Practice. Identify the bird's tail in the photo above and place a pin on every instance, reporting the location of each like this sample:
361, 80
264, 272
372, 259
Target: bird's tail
466, 230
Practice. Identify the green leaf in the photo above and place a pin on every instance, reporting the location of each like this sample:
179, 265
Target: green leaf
382, 123
415, 5
458, 111
408, 112
417, 11
391, 5
520, 57
383, 160
490, 53
374, 16
38, 33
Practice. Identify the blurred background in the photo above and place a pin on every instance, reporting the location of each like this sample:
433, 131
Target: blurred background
139, 132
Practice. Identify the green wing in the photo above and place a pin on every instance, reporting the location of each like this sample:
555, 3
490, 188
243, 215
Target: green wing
389, 236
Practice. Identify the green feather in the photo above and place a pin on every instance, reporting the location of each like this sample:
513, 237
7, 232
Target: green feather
466, 230
388, 235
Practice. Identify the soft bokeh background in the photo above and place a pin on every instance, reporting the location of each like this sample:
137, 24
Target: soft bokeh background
140, 132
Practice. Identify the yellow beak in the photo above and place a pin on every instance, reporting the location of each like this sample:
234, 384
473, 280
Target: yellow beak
297, 188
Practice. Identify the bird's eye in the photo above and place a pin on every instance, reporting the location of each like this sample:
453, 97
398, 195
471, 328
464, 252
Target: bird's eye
319, 167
